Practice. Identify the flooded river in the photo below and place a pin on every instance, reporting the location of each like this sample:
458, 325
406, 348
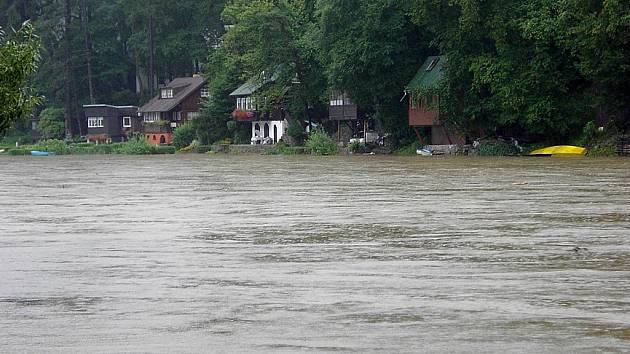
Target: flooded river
349, 254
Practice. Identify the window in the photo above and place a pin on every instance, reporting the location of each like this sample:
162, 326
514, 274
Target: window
126, 122
95, 122
339, 99
245, 103
178, 115
433, 64
151, 117
205, 93
167, 93
192, 115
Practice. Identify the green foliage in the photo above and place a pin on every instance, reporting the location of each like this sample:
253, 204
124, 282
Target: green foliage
19, 152
19, 58
356, 147
602, 151
51, 123
408, 150
163, 150
134, 146
497, 148
58, 147
184, 136
202, 149
319, 143
296, 132
281, 148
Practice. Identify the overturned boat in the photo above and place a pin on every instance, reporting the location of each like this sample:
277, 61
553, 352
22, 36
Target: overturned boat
561, 150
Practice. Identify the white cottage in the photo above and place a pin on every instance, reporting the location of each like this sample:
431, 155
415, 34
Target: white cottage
267, 127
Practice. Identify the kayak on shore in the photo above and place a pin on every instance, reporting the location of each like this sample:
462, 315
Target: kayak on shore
41, 153
562, 150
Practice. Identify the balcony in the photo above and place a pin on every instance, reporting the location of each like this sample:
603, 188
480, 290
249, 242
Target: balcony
344, 112
244, 116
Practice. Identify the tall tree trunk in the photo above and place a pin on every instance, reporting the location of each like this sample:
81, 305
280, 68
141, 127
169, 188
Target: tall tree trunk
151, 57
88, 47
67, 93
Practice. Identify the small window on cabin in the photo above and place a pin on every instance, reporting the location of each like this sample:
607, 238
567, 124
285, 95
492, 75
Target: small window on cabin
205, 93
126, 122
95, 122
433, 64
167, 93
336, 98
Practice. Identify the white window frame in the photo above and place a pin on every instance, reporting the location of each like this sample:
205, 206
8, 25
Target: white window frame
205, 93
151, 117
339, 99
124, 124
95, 122
166, 93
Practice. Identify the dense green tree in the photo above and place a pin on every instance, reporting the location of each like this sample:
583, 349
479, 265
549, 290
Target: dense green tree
371, 50
51, 123
19, 57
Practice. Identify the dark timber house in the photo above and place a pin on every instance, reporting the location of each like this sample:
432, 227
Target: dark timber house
342, 110
106, 123
177, 103
424, 111
267, 126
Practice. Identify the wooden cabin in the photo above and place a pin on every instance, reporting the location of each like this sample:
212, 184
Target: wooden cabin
424, 112
176, 103
351, 121
106, 123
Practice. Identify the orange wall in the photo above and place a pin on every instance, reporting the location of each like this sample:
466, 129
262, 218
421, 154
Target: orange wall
154, 139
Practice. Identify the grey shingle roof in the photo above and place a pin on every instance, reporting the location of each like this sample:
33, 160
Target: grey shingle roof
182, 88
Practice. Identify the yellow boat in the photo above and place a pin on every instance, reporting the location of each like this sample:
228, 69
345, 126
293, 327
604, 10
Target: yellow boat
563, 150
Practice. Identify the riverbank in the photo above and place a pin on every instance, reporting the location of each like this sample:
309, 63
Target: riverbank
140, 147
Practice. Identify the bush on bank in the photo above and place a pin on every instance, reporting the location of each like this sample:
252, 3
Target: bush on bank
319, 143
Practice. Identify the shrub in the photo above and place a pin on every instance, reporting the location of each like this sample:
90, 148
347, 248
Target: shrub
184, 136
19, 152
163, 150
602, 151
58, 147
357, 147
281, 148
408, 150
497, 148
51, 123
319, 143
296, 132
134, 146
202, 149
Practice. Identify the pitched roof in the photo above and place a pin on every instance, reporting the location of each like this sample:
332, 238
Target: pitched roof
429, 74
255, 84
182, 88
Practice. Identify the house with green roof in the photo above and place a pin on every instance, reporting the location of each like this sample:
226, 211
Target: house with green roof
268, 127
424, 112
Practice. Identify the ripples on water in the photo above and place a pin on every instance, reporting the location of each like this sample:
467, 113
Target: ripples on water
273, 254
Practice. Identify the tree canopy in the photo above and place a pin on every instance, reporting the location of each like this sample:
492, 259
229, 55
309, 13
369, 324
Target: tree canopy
539, 69
19, 57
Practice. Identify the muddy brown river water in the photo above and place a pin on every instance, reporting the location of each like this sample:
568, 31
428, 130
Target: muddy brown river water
235, 254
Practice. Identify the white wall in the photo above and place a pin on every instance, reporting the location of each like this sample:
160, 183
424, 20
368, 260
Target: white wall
280, 125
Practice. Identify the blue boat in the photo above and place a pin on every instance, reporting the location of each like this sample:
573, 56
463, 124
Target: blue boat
41, 153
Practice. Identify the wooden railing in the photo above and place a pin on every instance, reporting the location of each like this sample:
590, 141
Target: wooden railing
623, 146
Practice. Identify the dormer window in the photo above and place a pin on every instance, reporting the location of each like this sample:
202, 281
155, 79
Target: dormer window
167, 93
205, 93
433, 64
